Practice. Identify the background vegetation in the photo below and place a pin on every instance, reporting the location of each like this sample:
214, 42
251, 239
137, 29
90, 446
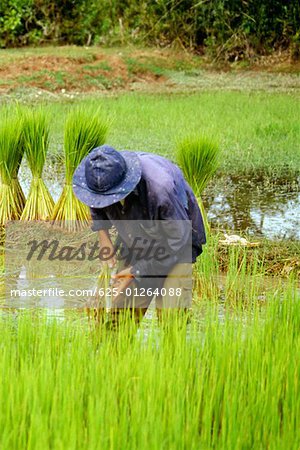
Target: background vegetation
224, 28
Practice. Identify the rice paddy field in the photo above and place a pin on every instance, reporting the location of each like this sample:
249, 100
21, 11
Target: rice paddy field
218, 385
225, 376
229, 378
258, 130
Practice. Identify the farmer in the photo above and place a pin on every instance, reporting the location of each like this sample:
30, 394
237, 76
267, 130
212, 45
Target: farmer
125, 190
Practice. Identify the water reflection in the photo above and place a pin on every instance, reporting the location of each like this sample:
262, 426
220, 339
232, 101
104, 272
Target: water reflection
255, 205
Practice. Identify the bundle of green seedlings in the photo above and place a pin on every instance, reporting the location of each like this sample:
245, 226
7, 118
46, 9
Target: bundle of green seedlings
84, 131
12, 199
39, 204
198, 158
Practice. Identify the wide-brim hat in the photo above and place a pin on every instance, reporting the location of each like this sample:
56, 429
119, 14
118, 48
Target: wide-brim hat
106, 176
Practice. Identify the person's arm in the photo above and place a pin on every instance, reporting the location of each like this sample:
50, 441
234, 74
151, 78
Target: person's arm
102, 224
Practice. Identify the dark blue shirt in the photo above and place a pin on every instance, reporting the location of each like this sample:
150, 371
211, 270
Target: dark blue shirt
161, 194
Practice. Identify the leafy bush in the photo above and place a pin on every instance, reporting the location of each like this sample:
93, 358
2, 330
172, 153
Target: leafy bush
226, 27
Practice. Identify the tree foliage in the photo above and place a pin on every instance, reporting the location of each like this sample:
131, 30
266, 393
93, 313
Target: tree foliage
225, 27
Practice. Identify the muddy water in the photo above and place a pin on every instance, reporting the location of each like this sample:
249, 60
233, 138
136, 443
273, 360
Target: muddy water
251, 204
255, 205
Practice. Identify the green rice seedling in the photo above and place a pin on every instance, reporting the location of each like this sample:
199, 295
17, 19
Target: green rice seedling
228, 380
84, 131
198, 159
97, 310
12, 199
207, 273
39, 204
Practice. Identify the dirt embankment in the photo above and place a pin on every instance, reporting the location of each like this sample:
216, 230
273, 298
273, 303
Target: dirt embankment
85, 73
92, 69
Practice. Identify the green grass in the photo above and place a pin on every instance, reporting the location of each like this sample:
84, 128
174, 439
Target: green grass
254, 115
102, 65
232, 383
155, 122
256, 131
137, 67
99, 81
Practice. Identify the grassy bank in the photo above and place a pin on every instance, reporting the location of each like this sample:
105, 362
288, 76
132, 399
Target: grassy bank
269, 258
256, 131
229, 380
85, 69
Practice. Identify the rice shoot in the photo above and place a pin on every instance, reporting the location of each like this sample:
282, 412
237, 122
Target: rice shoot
40, 204
83, 132
99, 304
198, 158
12, 199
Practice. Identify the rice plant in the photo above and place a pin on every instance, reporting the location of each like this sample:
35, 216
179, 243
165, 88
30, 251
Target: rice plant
230, 380
83, 132
98, 305
39, 204
12, 199
198, 159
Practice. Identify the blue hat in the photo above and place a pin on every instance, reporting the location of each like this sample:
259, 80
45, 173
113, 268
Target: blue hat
106, 176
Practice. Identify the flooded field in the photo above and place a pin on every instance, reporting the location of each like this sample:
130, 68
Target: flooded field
256, 206
251, 204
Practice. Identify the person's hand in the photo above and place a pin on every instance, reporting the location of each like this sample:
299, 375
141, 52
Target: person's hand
121, 281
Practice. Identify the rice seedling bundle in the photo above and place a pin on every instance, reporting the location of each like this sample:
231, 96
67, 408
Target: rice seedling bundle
12, 199
83, 132
198, 158
39, 204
